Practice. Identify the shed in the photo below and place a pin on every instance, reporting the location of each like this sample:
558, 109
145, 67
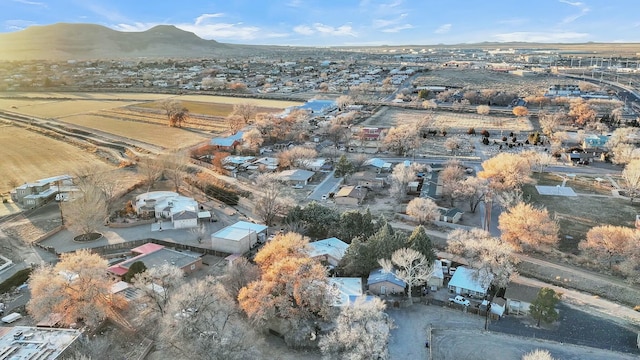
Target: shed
437, 279
184, 219
382, 283
470, 282
238, 238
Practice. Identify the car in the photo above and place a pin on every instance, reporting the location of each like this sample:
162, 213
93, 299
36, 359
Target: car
460, 300
298, 186
325, 197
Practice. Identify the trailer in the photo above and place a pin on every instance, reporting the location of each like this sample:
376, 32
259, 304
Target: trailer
11, 318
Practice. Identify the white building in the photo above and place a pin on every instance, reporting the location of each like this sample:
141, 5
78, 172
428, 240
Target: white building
330, 250
181, 210
469, 282
238, 238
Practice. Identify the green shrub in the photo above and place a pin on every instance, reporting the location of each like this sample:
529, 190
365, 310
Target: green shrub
15, 280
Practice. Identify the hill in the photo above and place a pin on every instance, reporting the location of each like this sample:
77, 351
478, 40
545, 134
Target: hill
88, 41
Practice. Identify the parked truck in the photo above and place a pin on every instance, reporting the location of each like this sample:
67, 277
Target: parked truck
460, 300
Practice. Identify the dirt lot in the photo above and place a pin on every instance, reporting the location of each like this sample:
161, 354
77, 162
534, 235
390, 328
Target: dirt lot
28, 156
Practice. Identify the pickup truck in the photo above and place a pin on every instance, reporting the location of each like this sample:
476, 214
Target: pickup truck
460, 300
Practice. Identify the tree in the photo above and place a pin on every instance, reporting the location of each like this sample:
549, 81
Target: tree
354, 224
203, 322
174, 165
631, 177
77, 289
252, 139
453, 143
155, 287
483, 110
420, 241
238, 275
175, 111
362, 332
525, 225
492, 258
473, 190
298, 156
344, 167
606, 242
520, 111
550, 122
400, 178
537, 354
246, 111
423, 210
150, 168
401, 138
409, 266
543, 307
452, 175
506, 171
107, 182
234, 122
343, 101
581, 112
292, 286
85, 213
271, 201
135, 268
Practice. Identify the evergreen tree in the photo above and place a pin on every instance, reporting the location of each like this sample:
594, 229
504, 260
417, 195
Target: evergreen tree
344, 167
543, 308
420, 241
135, 268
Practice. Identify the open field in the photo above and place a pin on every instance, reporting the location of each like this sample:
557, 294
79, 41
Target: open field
576, 215
86, 96
209, 108
27, 156
164, 136
452, 122
62, 108
264, 103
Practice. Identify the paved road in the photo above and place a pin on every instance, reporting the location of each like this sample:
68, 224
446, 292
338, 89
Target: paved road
573, 327
329, 184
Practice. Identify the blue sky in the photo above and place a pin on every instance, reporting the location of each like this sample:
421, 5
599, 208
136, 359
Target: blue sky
348, 22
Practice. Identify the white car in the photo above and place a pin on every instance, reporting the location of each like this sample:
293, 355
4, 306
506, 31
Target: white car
460, 300
325, 197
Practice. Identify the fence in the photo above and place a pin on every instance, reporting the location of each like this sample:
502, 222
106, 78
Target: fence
111, 248
131, 224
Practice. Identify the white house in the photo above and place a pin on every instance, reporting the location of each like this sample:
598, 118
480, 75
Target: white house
182, 210
331, 250
238, 238
469, 282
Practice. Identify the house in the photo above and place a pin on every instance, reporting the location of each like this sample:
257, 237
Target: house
382, 283
350, 195
228, 143
368, 180
154, 255
450, 215
370, 133
296, 176
238, 238
436, 280
345, 290
330, 250
595, 141
32, 195
519, 298
432, 186
470, 282
28, 342
316, 164
379, 164
182, 210
270, 163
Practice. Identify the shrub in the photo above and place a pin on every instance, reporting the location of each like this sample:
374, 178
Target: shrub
15, 280
485, 141
485, 133
471, 131
504, 138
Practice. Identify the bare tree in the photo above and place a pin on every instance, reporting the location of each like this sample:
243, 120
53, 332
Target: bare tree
245, 110
271, 201
238, 275
606, 242
409, 266
506, 171
493, 259
538, 354
631, 177
174, 166
298, 156
150, 168
581, 112
175, 111
453, 143
483, 110
401, 138
156, 285
452, 175
473, 190
400, 178
430, 104
203, 322
252, 139
362, 332
343, 101
108, 182
523, 224
85, 212
550, 122
520, 111
423, 210
77, 287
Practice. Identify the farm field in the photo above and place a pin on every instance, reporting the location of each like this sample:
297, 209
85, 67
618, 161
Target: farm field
62, 108
208, 108
264, 103
85, 96
172, 138
452, 122
43, 157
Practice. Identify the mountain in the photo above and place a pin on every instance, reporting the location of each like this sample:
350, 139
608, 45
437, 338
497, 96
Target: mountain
87, 41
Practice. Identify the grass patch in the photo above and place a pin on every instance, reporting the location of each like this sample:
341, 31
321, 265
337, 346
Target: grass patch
15, 280
580, 184
576, 215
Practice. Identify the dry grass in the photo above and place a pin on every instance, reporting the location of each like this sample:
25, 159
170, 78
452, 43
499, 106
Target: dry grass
209, 108
63, 108
27, 156
265, 103
87, 96
160, 135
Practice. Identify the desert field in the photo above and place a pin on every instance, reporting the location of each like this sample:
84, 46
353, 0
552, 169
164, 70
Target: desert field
27, 156
160, 135
451, 121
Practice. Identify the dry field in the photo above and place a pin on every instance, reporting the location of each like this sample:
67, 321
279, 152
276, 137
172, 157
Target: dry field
452, 122
209, 108
485, 79
164, 136
62, 108
86, 96
27, 156
263, 103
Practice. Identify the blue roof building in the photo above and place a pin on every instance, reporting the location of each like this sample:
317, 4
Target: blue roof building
319, 107
227, 142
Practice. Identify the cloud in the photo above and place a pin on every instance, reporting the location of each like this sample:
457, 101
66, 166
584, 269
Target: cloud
584, 9
323, 29
531, 36
295, 3
443, 29
110, 15
513, 21
27, 2
398, 28
202, 18
17, 24
134, 27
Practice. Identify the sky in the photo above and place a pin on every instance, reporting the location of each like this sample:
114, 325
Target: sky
347, 22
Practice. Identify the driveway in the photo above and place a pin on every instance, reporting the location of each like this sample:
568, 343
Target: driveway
329, 184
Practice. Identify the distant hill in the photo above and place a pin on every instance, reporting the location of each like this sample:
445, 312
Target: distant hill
88, 41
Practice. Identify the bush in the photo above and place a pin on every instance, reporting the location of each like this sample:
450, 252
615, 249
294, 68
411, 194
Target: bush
471, 131
485, 141
504, 138
15, 280
485, 133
